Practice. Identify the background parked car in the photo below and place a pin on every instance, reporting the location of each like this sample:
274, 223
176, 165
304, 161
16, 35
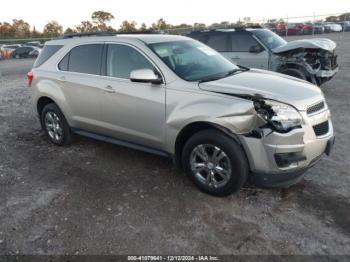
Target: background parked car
11, 47
281, 28
35, 43
345, 26
313, 28
270, 26
294, 28
26, 52
332, 27
318, 28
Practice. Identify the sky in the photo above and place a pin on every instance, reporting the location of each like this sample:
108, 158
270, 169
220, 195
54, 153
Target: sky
69, 13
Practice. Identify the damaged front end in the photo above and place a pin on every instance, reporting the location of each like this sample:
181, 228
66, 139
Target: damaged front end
320, 65
267, 113
279, 139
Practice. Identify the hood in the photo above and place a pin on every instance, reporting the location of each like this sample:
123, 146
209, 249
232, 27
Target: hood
316, 43
270, 85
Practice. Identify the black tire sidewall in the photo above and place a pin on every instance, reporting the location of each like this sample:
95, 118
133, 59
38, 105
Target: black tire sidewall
232, 149
295, 72
66, 129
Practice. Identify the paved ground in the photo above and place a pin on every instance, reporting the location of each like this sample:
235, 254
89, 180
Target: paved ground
96, 198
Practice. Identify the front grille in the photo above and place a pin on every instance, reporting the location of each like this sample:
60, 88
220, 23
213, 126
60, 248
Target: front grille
321, 129
315, 108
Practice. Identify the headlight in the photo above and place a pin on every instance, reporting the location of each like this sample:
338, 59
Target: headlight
281, 117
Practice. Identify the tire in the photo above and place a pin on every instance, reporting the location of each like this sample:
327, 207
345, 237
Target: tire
295, 72
55, 125
233, 161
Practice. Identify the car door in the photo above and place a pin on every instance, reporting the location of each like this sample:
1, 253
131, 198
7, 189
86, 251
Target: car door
79, 79
132, 111
245, 50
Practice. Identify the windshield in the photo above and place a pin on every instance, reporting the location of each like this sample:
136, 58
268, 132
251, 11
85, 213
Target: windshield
269, 38
192, 60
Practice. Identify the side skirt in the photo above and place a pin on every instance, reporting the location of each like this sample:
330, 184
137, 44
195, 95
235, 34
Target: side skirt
120, 142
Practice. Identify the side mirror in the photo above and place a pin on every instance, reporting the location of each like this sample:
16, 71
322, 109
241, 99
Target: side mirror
256, 49
145, 75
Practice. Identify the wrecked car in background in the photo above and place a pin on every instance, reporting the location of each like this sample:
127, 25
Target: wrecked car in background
313, 60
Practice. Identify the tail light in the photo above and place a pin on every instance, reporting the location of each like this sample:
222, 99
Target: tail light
30, 77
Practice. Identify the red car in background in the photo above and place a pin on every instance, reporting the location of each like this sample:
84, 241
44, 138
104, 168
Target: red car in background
308, 29
289, 29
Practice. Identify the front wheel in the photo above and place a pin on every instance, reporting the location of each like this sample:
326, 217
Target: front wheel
295, 72
215, 163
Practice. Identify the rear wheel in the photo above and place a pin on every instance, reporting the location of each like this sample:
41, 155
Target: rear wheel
55, 125
215, 163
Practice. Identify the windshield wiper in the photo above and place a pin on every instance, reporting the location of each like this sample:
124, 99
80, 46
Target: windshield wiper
227, 74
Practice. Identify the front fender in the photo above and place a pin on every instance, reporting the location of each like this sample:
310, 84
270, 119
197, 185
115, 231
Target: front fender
234, 114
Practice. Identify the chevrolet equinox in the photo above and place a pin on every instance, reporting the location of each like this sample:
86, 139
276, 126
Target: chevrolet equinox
174, 96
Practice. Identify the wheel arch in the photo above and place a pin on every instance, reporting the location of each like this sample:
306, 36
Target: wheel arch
42, 102
193, 128
308, 74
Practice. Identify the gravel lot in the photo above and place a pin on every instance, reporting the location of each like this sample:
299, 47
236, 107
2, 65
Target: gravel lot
96, 198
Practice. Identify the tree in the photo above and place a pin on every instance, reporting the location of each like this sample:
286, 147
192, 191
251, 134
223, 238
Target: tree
34, 33
100, 19
199, 26
143, 27
160, 25
85, 26
69, 31
6, 30
127, 27
342, 17
53, 29
21, 28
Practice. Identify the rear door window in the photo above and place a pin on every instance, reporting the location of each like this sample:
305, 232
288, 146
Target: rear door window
241, 42
86, 59
46, 53
219, 42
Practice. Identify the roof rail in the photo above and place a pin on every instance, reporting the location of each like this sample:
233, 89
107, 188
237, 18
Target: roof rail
86, 34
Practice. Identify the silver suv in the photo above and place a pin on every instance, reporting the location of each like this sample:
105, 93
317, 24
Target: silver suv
174, 96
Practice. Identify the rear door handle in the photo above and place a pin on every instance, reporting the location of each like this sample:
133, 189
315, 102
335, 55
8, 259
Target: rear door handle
62, 79
235, 57
109, 89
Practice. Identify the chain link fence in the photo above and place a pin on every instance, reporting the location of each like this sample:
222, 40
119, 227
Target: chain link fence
284, 26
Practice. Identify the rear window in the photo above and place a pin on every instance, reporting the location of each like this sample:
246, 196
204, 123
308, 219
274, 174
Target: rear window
86, 59
46, 53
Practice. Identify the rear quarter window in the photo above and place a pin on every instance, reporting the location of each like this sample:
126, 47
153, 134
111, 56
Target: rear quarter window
86, 59
242, 42
219, 42
46, 53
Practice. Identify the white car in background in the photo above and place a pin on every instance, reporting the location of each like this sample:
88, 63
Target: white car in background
332, 27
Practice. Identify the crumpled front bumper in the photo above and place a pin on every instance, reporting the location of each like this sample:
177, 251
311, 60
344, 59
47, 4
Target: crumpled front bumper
301, 148
327, 73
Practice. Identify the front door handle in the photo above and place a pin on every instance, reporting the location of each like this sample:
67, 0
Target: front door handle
235, 58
